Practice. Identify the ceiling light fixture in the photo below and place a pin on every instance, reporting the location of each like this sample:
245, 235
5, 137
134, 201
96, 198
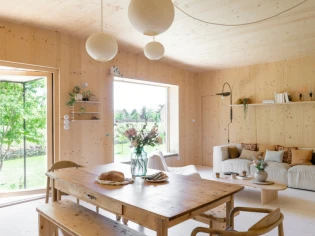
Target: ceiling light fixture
154, 50
151, 17
100, 46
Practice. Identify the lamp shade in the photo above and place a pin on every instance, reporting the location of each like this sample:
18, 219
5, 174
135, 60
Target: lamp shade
101, 47
151, 17
154, 50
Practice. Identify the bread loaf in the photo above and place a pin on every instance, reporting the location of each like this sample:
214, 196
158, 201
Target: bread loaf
115, 176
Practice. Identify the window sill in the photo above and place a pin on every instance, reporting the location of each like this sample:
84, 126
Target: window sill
166, 155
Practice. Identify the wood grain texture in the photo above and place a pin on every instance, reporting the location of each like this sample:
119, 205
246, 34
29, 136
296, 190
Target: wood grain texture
268, 125
91, 143
189, 44
155, 206
77, 220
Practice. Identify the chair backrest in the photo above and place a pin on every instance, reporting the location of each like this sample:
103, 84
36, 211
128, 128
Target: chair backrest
156, 161
63, 164
269, 222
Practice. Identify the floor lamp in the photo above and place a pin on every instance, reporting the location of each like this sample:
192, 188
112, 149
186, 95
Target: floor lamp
226, 94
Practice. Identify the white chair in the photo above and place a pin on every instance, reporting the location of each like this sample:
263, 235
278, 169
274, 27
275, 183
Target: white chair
157, 161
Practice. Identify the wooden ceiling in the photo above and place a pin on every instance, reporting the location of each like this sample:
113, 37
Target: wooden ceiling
188, 43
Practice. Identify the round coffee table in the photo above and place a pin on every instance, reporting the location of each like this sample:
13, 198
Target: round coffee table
268, 192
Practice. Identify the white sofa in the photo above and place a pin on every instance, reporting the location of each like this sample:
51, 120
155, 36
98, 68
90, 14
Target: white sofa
300, 176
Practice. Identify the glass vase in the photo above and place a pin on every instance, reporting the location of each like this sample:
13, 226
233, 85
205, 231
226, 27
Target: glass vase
138, 164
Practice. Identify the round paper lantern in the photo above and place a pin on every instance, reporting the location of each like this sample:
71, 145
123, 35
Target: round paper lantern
101, 47
154, 50
151, 17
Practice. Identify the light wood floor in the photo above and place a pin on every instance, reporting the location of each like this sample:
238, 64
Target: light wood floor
298, 207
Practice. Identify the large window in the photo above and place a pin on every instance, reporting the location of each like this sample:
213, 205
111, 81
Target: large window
134, 103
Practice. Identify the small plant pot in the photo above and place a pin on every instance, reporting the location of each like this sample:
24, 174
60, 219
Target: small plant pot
78, 97
85, 99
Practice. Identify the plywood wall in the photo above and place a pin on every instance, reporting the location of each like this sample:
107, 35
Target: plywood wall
91, 143
290, 125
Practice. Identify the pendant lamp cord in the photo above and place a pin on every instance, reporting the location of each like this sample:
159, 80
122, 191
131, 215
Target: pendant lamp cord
102, 28
242, 24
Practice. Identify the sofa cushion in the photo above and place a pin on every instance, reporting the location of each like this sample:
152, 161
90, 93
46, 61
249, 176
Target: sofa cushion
277, 172
250, 155
263, 147
274, 156
287, 156
302, 177
249, 146
236, 165
233, 152
301, 157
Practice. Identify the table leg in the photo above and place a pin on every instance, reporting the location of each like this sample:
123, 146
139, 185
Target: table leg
268, 195
162, 227
229, 207
54, 191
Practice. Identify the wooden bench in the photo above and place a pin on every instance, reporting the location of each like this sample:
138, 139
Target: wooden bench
77, 220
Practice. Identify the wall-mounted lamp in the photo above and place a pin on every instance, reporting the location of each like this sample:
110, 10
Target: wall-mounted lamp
226, 94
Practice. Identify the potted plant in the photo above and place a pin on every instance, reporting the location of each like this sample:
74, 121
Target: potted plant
74, 96
245, 103
261, 175
86, 95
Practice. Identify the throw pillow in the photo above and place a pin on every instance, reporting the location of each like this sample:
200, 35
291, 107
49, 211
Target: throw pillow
233, 152
249, 146
250, 155
274, 156
287, 156
264, 147
301, 157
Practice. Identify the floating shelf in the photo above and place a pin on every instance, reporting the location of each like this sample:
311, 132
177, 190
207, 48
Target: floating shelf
84, 120
273, 104
82, 113
93, 102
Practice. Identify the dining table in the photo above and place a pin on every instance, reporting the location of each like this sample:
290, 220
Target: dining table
157, 206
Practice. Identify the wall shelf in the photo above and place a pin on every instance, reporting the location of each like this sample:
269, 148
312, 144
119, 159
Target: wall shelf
82, 113
92, 102
273, 104
91, 108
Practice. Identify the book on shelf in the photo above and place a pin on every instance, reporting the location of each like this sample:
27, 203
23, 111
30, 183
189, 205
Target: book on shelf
268, 101
281, 97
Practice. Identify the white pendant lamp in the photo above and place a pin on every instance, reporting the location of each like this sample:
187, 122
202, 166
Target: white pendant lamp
154, 50
151, 17
100, 46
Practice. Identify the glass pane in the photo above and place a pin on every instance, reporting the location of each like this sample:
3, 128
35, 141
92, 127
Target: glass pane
132, 104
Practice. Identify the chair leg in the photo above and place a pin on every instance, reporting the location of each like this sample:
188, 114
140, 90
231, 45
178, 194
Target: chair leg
118, 218
210, 226
125, 221
45, 227
280, 229
47, 190
78, 201
97, 209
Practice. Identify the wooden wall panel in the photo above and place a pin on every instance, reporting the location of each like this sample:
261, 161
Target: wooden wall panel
290, 125
91, 143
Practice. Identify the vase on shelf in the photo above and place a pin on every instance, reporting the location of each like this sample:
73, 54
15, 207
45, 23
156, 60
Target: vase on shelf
261, 175
138, 164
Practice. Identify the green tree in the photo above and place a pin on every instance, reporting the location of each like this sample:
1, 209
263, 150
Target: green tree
134, 115
119, 116
13, 112
120, 136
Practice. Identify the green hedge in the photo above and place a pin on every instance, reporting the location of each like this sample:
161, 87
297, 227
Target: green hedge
31, 151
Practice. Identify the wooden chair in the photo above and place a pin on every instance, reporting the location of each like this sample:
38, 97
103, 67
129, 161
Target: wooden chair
269, 222
215, 218
57, 166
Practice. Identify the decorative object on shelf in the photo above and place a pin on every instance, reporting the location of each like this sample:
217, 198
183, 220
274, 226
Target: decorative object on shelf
74, 96
114, 71
86, 95
94, 118
139, 140
100, 46
66, 122
301, 96
311, 95
261, 175
226, 94
245, 103
154, 50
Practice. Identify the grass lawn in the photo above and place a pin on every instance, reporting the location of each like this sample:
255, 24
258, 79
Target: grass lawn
12, 174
